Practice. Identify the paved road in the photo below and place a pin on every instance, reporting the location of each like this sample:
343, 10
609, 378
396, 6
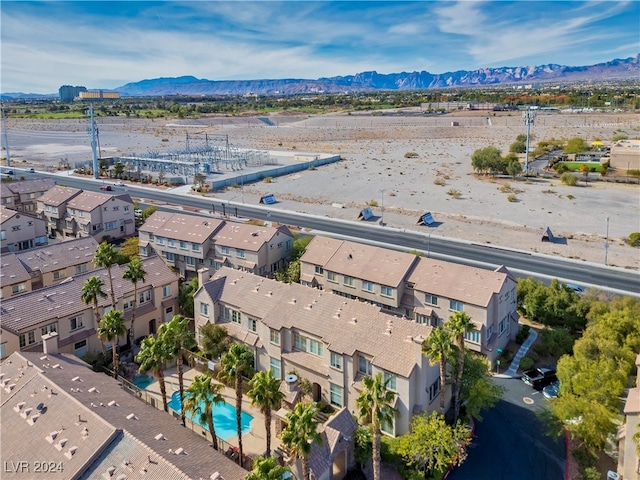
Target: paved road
510, 443
520, 262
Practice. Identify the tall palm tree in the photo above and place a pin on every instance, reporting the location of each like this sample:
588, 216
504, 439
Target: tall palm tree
301, 433
111, 328
91, 293
265, 392
458, 324
152, 356
176, 335
438, 348
266, 468
200, 398
105, 257
134, 273
374, 403
238, 361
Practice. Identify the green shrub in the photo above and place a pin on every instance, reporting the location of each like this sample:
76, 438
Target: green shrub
267, 179
560, 168
512, 197
570, 197
569, 179
522, 334
634, 239
372, 203
526, 363
410, 155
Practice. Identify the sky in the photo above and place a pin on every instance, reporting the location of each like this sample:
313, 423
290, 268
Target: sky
106, 44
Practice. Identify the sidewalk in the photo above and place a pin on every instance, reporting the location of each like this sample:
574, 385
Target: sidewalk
512, 371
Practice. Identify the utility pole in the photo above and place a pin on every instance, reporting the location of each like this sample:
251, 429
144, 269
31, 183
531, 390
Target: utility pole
606, 243
529, 119
6, 137
94, 144
382, 209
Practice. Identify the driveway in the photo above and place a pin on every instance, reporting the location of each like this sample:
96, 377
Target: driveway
510, 443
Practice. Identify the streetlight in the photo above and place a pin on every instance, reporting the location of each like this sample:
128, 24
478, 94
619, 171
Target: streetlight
429, 242
382, 209
606, 243
529, 119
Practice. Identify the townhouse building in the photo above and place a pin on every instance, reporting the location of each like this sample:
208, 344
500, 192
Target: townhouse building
26, 318
52, 206
14, 277
100, 215
191, 242
23, 195
20, 231
423, 289
331, 341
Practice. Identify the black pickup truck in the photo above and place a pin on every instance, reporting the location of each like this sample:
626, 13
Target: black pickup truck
539, 377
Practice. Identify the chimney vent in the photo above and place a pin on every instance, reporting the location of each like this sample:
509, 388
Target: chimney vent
50, 343
291, 380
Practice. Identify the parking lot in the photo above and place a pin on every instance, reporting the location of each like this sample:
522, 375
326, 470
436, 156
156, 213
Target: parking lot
510, 443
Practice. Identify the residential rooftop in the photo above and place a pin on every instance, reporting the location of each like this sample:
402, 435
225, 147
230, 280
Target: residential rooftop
12, 270
58, 195
89, 201
178, 226
59, 255
30, 186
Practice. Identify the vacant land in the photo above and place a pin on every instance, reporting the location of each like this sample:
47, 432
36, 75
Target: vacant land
435, 177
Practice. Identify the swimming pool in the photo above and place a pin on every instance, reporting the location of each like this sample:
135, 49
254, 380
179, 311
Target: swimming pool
142, 381
224, 418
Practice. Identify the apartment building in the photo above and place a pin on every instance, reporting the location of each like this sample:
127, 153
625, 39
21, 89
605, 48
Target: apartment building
331, 341
14, 277
191, 242
20, 231
60, 419
58, 308
426, 290
100, 215
52, 206
23, 195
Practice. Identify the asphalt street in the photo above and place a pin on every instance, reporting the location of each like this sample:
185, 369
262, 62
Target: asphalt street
510, 443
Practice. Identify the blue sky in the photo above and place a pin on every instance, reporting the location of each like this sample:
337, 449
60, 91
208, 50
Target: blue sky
107, 44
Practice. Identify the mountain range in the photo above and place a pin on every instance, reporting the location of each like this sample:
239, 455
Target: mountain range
618, 69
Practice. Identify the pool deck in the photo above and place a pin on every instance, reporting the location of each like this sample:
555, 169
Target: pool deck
253, 443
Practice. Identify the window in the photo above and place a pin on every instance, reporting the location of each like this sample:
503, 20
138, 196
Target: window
274, 365
58, 274
456, 305
52, 327
386, 291
336, 360
204, 309
195, 247
110, 225
15, 228
166, 290
160, 240
349, 281
183, 245
473, 336
19, 288
240, 253
315, 347
115, 209
81, 268
144, 296
489, 332
169, 256
367, 286
253, 324
171, 242
434, 390
335, 395
231, 314
81, 214
3, 235
143, 251
503, 326
319, 270
274, 337
364, 365
127, 302
331, 276
388, 427
126, 209
190, 261
3, 350
224, 250
31, 337
75, 323
300, 342
289, 244
430, 299
392, 380
23, 341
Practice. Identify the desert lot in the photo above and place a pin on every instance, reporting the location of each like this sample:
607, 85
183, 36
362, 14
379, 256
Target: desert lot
375, 170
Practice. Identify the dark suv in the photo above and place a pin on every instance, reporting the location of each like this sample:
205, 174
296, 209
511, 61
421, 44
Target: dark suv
540, 377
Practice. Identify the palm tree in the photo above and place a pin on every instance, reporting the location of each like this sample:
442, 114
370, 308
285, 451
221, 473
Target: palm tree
176, 335
266, 468
438, 347
152, 356
237, 362
111, 328
265, 392
374, 403
134, 273
200, 398
301, 433
459, 323
105, 256
91, 293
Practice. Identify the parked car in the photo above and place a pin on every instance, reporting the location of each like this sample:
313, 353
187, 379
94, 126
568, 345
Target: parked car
552, 390
574, 287
540, 377
9, 172
105, 187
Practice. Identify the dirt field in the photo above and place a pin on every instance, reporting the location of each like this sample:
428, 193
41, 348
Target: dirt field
375, 171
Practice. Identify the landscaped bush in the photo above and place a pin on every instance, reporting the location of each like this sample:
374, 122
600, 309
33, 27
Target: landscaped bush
569, 179
554, 342
634, 239
526, 363
522, 334
268, 179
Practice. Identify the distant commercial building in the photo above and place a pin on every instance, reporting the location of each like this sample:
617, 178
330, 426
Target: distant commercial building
98, 95
625, 155
68, 92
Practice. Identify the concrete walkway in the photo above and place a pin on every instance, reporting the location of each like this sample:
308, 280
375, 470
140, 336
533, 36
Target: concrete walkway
512, 371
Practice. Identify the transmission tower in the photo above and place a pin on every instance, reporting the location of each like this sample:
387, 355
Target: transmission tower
529, 119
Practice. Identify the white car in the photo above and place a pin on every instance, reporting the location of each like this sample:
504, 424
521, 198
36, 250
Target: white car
119, 184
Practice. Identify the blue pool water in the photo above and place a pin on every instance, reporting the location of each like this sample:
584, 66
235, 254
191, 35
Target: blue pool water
224, 418
142, 381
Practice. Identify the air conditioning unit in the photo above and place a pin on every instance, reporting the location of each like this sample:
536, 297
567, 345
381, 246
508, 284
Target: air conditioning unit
611, 475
